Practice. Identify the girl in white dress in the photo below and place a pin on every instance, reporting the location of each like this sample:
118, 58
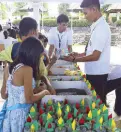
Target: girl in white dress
18, 86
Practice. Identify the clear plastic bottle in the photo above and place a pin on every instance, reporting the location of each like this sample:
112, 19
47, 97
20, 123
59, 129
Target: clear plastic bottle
58, 53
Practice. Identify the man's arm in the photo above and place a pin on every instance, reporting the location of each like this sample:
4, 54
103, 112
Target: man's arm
51, 50
70, 41
51, 42
93, 57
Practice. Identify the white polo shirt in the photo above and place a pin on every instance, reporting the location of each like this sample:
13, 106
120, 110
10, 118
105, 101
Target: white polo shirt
101, 41
1, 35
66, 38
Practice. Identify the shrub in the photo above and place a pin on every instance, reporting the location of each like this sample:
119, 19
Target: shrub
52, 23
16, 22
49, 22
79, 23
118, 23
114, 19
76, 23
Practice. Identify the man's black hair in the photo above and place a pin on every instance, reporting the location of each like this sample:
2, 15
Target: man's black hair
26, 25
5, 34
90, 3
62, 18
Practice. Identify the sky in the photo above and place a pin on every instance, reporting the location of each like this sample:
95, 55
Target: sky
53, 9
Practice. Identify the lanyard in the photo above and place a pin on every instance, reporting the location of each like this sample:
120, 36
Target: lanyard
60, 39
89, 40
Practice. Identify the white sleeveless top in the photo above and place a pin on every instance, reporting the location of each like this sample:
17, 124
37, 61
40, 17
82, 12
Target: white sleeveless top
15, 93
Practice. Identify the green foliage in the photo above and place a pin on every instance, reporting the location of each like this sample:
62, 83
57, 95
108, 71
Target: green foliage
3, 10
76, 23
53, 23
79, 23
114, 19
62, 8
104, 8
45, 5
50, 22
16, 22
18, 6
104, 11
118, 23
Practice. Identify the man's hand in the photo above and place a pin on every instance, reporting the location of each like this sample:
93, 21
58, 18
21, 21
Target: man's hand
74, 54
69, 58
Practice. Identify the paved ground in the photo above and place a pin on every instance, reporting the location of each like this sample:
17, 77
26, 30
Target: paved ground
115, 59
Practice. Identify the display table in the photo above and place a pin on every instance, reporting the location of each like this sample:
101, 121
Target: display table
114, 78
115, 72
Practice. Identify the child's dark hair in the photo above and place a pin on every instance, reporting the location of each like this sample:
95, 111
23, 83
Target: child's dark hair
5, 34
62, 18
45, 39
41, 36
29, 54
26, 25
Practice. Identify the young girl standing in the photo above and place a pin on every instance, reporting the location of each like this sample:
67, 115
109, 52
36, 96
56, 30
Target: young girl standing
18, 85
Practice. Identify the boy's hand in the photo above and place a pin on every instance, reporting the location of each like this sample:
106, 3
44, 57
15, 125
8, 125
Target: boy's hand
53, 59
52, 90
43, 86
46, 92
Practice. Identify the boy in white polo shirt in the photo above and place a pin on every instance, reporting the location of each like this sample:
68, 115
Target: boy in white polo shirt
60, 38
97, 52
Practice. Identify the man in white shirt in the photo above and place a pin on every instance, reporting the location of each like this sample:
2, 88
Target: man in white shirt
97, 52
60, 38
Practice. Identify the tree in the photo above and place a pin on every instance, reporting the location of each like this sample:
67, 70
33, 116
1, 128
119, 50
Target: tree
104, 10
45, 14
3, 10
19, 6
62, 8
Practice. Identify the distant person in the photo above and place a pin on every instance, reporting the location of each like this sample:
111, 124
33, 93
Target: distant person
44, 40
7, 41
60, 38
9, 23
1, 33
13, 33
